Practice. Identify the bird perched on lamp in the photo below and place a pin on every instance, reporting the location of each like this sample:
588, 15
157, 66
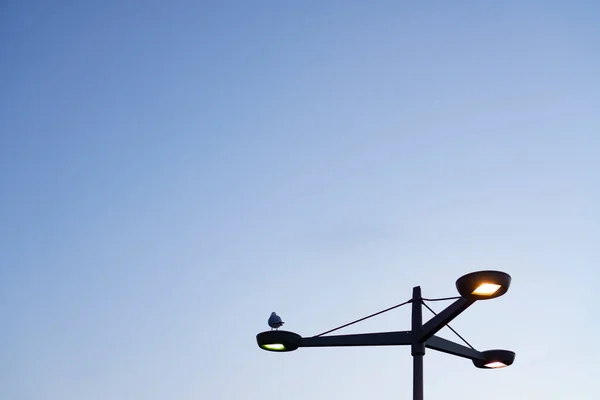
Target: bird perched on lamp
275, 321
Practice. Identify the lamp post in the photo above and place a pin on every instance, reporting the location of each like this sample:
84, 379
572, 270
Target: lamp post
481, 285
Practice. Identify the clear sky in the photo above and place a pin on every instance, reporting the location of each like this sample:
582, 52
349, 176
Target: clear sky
172, 172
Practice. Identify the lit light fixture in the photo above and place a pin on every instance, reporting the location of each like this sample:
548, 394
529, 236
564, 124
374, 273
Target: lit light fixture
483, 285
486, 289
278, 340
494, 359
495, 364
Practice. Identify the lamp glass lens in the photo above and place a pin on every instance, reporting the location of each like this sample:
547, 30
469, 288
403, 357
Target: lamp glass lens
486, 289
495, 364
274, 346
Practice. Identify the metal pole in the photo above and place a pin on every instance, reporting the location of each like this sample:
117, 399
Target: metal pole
417, 348
418, 377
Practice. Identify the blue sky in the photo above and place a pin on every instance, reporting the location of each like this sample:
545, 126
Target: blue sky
172, 172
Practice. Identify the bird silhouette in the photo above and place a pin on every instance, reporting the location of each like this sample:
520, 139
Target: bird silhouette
275, 321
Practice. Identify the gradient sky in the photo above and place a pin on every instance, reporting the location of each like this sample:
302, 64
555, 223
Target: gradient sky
172, 172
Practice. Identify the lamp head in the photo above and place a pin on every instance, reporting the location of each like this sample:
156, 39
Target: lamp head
278, 341
483, 285
494, 359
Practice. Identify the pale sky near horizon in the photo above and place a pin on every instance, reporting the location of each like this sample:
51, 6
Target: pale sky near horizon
172, 172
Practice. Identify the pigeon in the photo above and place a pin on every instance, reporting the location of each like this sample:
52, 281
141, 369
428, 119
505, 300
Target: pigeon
275, 321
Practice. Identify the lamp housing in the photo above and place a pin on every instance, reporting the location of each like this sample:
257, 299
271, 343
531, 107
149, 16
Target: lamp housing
483, 285
493, 359
279, 341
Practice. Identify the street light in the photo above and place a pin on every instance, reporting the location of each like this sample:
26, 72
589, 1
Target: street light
481, 285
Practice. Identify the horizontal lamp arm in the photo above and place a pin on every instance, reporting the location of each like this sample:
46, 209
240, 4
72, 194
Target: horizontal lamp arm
449, 347
363, 339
